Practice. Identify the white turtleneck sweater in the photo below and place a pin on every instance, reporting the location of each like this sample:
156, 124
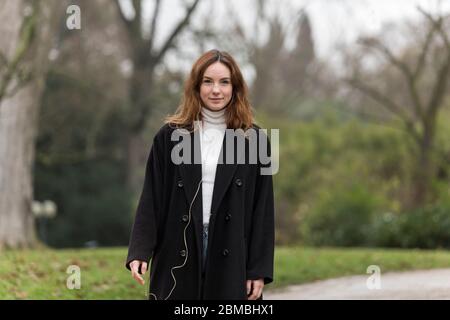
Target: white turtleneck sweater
212, 132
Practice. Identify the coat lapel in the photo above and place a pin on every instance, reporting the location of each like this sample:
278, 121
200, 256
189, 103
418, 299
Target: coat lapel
191, 174
224, 175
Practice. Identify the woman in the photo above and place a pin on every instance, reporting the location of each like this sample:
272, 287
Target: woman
207, 224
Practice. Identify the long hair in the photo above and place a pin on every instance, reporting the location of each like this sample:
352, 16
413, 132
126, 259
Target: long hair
238, 112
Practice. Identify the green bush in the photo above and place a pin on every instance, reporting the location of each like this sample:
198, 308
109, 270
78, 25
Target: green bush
93, 204
423, 228
342, 217
322, 152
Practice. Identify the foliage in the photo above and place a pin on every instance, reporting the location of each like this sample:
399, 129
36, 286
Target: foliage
427, 227
92, 204
341, 218
80, 166
338, 174
326, 157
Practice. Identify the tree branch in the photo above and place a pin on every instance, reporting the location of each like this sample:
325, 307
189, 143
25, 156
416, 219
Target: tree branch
376, 44
169, 42
153, 23
438, 25
137, 21
411, 78
377, 96
26, 38
440, 84
415, 97
386, 103
125, 21
421, 60
372, 118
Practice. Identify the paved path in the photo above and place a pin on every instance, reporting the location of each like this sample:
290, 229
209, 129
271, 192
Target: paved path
422, 284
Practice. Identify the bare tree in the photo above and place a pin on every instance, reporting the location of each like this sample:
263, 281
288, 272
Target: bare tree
415, 98
26, 27
285, 73
145, 58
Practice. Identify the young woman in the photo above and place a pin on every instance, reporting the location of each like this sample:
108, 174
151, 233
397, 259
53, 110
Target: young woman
207, 223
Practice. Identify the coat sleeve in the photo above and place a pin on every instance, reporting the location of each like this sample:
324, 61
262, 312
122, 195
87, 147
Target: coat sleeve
262, 237
144, 233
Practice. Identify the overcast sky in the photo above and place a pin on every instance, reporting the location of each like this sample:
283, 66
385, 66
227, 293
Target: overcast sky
332, 21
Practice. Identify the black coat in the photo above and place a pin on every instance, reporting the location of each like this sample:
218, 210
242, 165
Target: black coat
241, 228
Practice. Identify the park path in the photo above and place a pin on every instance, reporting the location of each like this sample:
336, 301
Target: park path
421, 284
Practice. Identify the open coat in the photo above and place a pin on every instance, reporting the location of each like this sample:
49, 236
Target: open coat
241, 227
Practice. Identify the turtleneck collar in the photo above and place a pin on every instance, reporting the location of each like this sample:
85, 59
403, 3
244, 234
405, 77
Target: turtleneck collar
213, 117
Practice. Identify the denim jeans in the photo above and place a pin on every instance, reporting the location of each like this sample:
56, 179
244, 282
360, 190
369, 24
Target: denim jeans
205, 244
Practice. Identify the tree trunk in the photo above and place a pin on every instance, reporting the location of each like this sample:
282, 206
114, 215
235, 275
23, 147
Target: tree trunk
18, 115
424, 168
145, 58
140, 97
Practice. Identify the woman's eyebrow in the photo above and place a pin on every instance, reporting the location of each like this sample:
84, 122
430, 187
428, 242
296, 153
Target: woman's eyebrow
226, 78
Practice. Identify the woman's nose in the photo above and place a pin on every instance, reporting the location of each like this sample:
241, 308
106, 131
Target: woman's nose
216, 88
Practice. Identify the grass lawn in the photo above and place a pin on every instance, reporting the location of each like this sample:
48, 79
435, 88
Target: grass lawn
42, 274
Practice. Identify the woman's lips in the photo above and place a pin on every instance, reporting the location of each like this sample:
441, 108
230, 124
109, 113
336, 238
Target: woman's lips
215, 100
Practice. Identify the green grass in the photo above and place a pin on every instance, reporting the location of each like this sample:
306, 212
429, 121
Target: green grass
300, 265
42, 274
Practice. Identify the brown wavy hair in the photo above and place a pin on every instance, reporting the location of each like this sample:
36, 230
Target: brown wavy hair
238, 112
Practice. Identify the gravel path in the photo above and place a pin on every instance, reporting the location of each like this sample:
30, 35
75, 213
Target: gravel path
422, 284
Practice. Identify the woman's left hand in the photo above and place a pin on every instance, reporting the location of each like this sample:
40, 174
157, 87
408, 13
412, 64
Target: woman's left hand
255, 287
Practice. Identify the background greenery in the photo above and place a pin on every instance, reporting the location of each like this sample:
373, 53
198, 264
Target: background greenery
348, 167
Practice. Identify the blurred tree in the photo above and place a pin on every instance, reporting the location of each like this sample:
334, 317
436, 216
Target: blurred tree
145, 57
88, 76
282, 75
267, 60
289, 78
80, 146
301, 57
416, 98
81, 151
27, 28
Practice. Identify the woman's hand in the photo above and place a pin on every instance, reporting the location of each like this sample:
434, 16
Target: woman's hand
134, 266
255, 287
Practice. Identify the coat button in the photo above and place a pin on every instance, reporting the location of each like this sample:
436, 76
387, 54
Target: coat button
238, 182
183, 253
228, 217
185, 218
226, 252
180, 183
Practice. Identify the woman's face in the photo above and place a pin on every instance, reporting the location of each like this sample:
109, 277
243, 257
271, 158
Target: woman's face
216, 89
